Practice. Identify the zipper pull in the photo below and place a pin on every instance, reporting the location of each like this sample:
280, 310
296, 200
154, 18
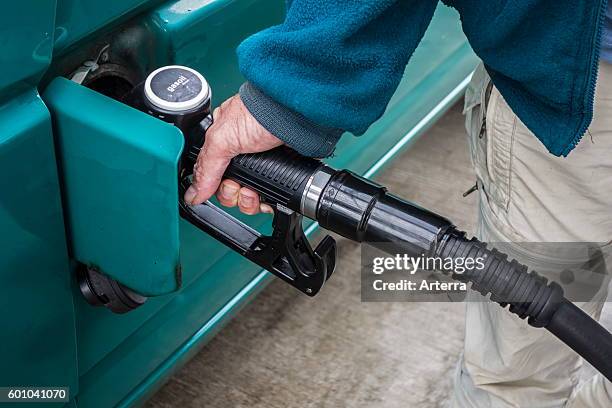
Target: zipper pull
471, 190
483, 129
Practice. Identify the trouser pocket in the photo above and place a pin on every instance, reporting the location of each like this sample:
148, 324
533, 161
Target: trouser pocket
474, 110
490, 130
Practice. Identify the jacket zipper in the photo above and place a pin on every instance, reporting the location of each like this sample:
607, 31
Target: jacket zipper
592, 78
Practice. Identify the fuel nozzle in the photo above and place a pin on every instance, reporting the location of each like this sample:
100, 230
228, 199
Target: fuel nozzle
181, 96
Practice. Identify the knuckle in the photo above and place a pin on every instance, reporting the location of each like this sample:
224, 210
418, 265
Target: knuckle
215, 143
198, 171
247, 193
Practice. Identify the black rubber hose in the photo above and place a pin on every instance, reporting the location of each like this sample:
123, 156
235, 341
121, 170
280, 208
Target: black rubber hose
363, 211
531, 296
584, 335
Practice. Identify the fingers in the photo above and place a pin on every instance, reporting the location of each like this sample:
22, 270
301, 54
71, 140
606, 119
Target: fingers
231, 194
248, 201
228, 193
207, 173
265, 208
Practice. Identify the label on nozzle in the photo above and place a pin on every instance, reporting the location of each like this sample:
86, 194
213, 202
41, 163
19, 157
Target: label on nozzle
176, 88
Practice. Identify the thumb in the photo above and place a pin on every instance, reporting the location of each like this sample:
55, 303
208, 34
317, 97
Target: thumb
207, 173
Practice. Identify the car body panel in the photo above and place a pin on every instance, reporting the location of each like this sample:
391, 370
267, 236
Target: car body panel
38, 323
75, 20
37, 337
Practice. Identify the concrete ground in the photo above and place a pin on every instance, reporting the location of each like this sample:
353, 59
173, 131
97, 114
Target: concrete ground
285, 350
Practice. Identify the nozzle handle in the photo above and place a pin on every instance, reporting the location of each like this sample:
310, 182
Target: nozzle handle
279, 175
286, 253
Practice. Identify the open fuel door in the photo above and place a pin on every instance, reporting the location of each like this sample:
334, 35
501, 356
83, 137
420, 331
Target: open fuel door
118, 170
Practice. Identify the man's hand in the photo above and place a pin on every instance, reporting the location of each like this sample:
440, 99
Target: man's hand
234, 131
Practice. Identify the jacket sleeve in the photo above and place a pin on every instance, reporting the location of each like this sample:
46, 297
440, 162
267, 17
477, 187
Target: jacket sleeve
330, 67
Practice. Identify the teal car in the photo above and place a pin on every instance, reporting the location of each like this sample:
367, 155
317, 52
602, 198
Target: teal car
89, 182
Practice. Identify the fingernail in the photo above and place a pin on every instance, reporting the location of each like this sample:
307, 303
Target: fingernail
190, 194
246, 201
228, 191
265, 208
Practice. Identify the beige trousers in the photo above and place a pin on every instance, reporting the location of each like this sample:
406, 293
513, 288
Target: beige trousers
529, 196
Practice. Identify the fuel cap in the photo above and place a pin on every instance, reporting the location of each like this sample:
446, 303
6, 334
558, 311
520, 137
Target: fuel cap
176, 88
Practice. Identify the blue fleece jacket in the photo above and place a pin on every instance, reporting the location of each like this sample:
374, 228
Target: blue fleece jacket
332, 66
606, 41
